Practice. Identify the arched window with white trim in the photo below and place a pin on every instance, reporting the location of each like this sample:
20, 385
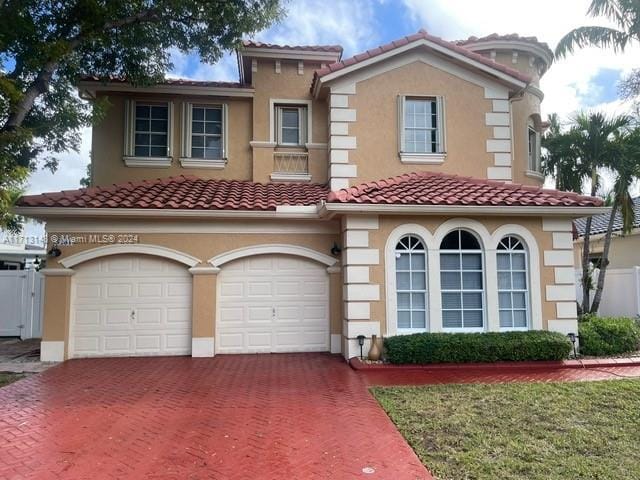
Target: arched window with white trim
513, 284
411, 284
462, 282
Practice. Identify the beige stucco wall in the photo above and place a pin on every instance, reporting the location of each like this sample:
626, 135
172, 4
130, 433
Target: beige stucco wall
376, 128
378, 239
623, 253
108, 142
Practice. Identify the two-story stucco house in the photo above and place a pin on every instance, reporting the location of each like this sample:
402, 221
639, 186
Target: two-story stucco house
316, 200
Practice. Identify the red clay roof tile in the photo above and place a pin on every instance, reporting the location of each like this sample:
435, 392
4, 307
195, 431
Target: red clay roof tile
184, 192
313, 48
171, 81
428, 188
507, 37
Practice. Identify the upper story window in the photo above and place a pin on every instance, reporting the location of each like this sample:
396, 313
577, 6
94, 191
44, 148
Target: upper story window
148, 134
291, 125
204, 135
421, 129
533, 145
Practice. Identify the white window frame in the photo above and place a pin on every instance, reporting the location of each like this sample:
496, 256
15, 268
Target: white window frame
482, 252
526, 291
426, 157
534, 164
129, 157
424, 252
186, 160
305, 129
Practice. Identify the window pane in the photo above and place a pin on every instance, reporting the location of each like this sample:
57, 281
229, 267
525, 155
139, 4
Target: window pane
143, 139
142, 111
404, 301
404, 319
141, 151
417, 261
418, 301
402, 262
402, 281
142, 125
290, 118
212, 153
472, 318
197, 127
197, 152
519, 281
452, 319
213, 115
519, 318
212, 142
451, 241
450, 281
518, 299
451, 300
504, 300
518, 261
450, 261
472, 281
418, 281
418, 319
506, 320
472, 300
197, 141
159, 112
158, 140
158, 125
213, 128
158, 151
471, 261
290, 135
503, 261
197, 113
468, 241
504, 281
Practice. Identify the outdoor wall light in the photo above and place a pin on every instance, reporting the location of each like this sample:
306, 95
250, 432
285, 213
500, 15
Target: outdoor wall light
573, 338
335, 250
361, 343
54, 252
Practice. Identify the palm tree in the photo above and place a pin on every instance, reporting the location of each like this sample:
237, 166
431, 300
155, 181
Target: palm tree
625, 14
626, 165
576, 157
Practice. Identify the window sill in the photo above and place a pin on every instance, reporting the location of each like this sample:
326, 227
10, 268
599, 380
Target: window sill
534, 174
147, 162
410, 331
217, 163
423, 158
290, 177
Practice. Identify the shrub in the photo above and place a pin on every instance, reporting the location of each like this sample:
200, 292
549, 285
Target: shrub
424, 348
600, 336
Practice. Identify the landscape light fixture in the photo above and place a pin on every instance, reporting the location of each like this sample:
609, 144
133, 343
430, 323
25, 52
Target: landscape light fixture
573, 338
361, 343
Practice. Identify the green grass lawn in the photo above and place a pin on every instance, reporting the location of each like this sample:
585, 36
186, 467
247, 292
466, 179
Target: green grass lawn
568, 431
7, 378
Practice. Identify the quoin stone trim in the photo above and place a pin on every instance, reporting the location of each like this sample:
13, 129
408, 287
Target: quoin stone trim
340, 142
563, 291
358, 291
500, 144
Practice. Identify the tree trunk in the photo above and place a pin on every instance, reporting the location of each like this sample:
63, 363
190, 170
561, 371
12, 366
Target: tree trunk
586, 246
597, 297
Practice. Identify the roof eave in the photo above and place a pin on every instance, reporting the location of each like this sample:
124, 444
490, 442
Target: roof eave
92, 87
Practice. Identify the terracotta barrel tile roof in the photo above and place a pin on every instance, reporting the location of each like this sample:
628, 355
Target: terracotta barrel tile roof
508, 37
421, 35
427, 188
184, 193
172, 81
313, 48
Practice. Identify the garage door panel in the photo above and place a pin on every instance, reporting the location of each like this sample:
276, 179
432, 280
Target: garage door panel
250, 289
107, 291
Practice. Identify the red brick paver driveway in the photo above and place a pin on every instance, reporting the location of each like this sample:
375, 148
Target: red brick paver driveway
231, 417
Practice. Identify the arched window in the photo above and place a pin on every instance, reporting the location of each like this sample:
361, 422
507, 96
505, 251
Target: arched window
411, 284
513, 284
462, 281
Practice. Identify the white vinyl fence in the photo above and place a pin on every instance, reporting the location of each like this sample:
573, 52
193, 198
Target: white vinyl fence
21, 299
621, 294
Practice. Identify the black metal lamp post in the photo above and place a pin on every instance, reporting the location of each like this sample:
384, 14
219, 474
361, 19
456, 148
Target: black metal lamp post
573, 338
361, 343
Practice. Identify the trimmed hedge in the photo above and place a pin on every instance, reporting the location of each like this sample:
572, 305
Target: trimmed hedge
601, 336
425, 348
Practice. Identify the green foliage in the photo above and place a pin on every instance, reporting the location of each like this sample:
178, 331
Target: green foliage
425, 348
86, 180
602, 336
624, 14
46, 45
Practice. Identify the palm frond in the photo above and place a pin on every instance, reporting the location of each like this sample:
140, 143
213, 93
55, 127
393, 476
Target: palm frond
603, 37
619, 11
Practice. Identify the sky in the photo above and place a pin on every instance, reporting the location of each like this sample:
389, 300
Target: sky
585, 80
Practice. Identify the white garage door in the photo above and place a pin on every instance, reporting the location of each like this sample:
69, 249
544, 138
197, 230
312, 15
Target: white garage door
131, 305
273, 303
